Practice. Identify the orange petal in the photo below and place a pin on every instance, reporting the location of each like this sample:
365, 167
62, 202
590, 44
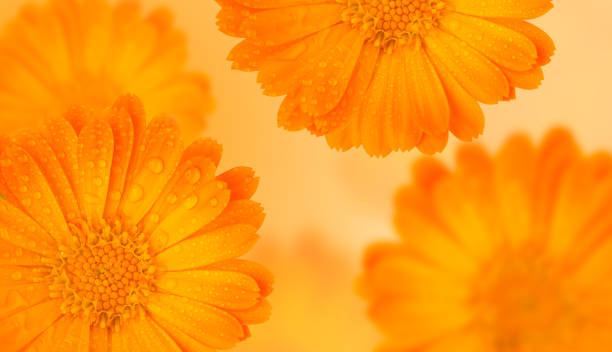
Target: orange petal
204, 147
99, 339
62, 138
193, 174
37, 318
530, 79
259, 273
478, 76
208, 325
524, 9
283, 25
224, 289
500, 44
224, 243
45, 157
257, 314
67, 334
544, 44
242, 211
426, 92
142, 334
431, 144
241, 181
428, 319
28, 184
21, 230
196, 211
327, 81
347, 110
95, 155
466, 117
273, 4
123, 142
161, 152
376, 111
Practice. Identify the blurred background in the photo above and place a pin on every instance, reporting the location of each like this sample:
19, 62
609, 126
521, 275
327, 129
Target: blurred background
325, 206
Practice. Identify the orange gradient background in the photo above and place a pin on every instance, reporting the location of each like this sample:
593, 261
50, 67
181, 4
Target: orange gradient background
324, 206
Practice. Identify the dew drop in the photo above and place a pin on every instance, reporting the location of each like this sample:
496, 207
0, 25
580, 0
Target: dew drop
214, 202
97, 181
136, 193
156, 165
191, 202
16, 275
193, 175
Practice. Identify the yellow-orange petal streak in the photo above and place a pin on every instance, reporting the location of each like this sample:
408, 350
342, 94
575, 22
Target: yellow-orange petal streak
115, 238
388, 75
506, 252
88, 52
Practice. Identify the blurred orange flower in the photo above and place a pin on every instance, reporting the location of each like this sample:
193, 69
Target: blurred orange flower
67, 52
315, 307
115, 238
506, 253
388, 75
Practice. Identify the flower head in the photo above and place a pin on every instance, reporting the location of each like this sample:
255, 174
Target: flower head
507, 253
114, 237
388, 75
67, 52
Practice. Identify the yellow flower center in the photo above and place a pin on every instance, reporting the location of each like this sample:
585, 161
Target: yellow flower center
106, 271
521, 303
390, 23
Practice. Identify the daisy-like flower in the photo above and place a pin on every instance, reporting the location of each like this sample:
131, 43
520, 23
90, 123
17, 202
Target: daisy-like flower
510, 253
388, 75
66, 52
115, 238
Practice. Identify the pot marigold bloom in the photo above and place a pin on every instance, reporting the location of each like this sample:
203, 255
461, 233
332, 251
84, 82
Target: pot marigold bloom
388, 75
507, 253
71, 52
115, 238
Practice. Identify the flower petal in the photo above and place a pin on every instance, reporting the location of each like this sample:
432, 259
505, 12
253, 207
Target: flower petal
161, 152
543, 43
466, 117
221, 244
13, 332
284, 25
426, 92
524, 9
197, 210
500, 44
208, 325
222, 289
69, 333
95, 155
478, 76
28, 184
241, 181
22, 231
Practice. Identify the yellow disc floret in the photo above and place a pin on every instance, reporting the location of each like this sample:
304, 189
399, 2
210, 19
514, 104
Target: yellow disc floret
390, 23
106, 272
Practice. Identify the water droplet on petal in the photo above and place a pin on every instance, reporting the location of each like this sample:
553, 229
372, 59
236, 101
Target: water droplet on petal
156, 165
136, 193
193, 175
16, 275
191, 202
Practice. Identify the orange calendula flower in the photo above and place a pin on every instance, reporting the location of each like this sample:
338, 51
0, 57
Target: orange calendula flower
67, 52
388, 75
509, 253
115, 238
